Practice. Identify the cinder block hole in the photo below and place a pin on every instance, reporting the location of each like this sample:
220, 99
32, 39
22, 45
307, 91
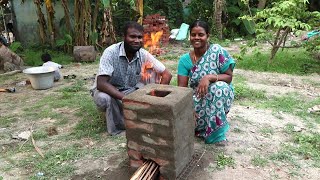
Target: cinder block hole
159, 93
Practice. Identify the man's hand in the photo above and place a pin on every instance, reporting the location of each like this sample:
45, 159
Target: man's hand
165, 77
103, 85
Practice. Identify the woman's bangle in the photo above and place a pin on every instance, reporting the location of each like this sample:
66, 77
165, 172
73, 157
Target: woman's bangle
217, 78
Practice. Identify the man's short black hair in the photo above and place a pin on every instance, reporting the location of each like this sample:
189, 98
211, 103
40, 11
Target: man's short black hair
45, 57
132, 24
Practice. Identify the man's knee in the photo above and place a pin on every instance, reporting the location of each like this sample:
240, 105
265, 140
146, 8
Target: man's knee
102, 100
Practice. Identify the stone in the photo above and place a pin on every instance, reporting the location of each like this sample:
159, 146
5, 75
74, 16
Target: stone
84, 54
9, 61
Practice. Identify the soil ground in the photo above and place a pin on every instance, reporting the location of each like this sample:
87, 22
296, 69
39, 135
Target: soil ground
257, 135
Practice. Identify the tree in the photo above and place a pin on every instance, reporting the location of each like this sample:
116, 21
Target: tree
262, 4
107, 31
273, 24
218, 8
41, 21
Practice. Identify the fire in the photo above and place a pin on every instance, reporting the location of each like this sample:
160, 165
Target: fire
153, 42
148, 75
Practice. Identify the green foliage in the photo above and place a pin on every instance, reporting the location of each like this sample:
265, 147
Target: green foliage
16, 47
32, 57
122, 11
300, 62
233, 27
274, 23
313, 46
286, 13
200, 9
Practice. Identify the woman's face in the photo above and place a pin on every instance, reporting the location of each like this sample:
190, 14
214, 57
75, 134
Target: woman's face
198, 37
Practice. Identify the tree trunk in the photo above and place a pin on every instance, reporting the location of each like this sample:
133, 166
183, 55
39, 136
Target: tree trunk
218, 7
50, 20
95, 16
280, 38
262, 4
139, 4
82, 22
67, 15
41, 21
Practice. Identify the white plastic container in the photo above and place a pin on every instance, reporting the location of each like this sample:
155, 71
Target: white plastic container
40, 77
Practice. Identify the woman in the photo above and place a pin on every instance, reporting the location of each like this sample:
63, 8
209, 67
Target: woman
208, 70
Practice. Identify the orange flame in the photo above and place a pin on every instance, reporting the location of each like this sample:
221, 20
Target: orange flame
153, 41
146, 72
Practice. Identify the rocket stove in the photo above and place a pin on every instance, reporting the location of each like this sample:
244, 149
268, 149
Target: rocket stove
160, 127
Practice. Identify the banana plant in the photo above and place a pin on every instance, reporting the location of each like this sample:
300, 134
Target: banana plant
41, 21
50, 20
107, 30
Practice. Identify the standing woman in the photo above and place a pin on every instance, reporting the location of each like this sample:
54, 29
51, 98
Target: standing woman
208, 71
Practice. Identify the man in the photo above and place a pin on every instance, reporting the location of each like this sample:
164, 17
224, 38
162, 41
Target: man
120, 74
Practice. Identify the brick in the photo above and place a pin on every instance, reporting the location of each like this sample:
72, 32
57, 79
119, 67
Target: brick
129, 114
158, 141
143, 149
134, 154
133, 105
162, 122
135, 163
161, 162
136, 125
133, 145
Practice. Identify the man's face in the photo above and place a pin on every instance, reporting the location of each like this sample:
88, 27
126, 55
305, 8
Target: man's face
133, 40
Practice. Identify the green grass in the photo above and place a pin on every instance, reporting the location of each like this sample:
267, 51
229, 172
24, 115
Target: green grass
290, 61
76, 98
267, 131
32, 57
224, 160
237, 130
304, 147
242, 91
308, 146
285, 155
259, 161
291, 103
39, 134
6, 121
56, 164
289, 128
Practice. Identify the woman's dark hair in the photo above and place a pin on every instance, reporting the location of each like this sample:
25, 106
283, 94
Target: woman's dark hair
131, 24
200, 23
45, 57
